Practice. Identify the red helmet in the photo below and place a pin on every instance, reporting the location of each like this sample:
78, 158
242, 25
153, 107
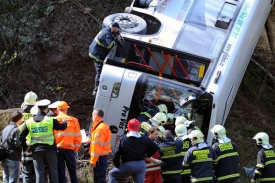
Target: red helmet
134, 125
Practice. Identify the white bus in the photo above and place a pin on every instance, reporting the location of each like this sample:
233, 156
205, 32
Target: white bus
190, 55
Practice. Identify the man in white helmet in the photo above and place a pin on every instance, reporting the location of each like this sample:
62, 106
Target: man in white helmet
227, 155
190, 125
158, 120
265, 168
181, 132
200, 157
150, 113
29, 101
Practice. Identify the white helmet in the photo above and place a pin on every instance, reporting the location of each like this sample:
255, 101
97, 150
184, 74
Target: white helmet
161, 131
181, 130
170, 118
218, 132
34, 110
162, 108
261, 138
30, 98
183, 120
196, 137
160, 119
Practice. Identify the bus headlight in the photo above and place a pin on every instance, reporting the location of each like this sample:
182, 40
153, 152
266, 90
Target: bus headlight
115, 90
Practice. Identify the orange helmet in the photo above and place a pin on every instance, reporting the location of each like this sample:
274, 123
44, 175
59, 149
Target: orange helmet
133, 125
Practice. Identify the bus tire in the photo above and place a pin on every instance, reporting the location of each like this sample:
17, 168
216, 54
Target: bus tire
137, 24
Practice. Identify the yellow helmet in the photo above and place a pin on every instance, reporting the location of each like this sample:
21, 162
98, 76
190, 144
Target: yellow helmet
30, 98
162, 108
160, 119
196, 137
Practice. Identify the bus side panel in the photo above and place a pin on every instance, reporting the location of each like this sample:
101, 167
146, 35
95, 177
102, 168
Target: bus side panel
235, 58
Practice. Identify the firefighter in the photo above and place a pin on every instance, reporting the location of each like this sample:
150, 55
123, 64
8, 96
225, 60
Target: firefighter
200, 158
190, 125
161, 132
100, 146
227, 156
104, 41
181, 132
68, 143
146, 115
265, 168
29, 101
27, 164
131, 150
170, 154
153, 164
158, 120
40, 128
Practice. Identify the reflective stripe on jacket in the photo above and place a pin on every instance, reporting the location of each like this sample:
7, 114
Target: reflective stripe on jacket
227, 156
102, 44
151, 167
71, 137
186, 144
42, 132
100, 141
201, 162
170, 154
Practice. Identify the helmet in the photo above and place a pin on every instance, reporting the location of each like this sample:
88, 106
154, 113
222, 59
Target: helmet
160, 119
133, 125
161, 131
181, 130
261, 138
162, 108
218, 131
183, 120
196, 137
30, 98
170, 118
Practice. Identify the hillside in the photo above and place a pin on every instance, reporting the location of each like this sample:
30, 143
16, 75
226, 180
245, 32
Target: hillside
44, 48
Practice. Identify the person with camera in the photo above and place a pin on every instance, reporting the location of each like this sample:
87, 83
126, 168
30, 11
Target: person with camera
104, 41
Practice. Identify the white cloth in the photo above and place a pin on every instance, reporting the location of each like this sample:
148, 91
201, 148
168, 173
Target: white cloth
267, 146
202, 145
224, 140
133, 134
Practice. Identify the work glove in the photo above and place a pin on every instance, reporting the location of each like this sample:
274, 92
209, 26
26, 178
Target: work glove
159, 162
75, 154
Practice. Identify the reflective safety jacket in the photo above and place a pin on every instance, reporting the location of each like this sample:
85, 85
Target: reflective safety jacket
186, 144
42, 132
170, 154
201, 162
144, 128
102, 44
151, 167
146, 115
69, 138
227, 156
265, 168
100, 141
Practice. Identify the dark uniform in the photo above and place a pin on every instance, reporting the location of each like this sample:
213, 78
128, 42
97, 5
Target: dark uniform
185, 173
99, 49
201, 162
192, 127
131, 151
42, 151
170, 154
227, 156
265, 168
146, 115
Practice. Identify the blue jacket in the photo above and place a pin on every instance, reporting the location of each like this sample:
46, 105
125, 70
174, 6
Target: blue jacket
170, 154
102, 44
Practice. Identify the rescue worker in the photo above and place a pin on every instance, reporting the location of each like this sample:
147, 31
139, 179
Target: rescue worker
227, 156
68, 143
170, 154
146, 115
190, 125
29, 101
200, 158
161, 132
132, 148
104, 41
181, 132
27, 164
153, 164
158, 120
265, 168
53, 111
100, 146
40, 128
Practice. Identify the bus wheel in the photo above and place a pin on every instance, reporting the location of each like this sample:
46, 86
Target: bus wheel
128, 23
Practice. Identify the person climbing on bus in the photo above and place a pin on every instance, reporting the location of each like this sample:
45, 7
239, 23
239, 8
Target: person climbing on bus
148, 114
158, 120
104, 41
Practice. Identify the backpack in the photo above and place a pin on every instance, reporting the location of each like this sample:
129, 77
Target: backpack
3, 150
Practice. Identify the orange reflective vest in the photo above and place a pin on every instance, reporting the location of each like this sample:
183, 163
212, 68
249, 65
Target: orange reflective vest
100, 141
70, 138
